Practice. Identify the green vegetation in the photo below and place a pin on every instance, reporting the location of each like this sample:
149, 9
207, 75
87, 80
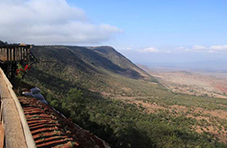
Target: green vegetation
73, 79
2, 43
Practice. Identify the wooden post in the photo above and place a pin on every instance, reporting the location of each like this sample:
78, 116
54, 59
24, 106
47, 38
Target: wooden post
14, 54
7, 71
11, 60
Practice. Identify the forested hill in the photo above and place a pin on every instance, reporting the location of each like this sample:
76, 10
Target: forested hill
93, 59
96, 68
120, 60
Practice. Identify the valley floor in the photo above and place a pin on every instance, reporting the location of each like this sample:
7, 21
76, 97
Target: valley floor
207, 119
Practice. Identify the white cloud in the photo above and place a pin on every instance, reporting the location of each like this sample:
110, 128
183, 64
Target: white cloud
211, 51
49, 22
126, 48
150, 50
219, 48
192, 49
195, 48
199, 47
181, 49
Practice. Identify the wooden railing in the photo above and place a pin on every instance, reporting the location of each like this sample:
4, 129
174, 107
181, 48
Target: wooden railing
12, 54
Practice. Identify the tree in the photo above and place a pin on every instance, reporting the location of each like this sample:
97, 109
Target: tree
76, 107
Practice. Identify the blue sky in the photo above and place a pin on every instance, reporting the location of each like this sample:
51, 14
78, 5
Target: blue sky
162, 23
177, 31
146, 31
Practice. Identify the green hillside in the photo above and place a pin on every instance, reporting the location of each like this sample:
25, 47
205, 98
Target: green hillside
90, 68
1, 42
104, 92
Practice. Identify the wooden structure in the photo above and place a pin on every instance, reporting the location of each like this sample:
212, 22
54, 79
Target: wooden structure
12, 54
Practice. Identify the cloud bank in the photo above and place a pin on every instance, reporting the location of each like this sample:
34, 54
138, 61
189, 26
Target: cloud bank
181, 49
199, 47
50, 22
219, 48
150, 50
